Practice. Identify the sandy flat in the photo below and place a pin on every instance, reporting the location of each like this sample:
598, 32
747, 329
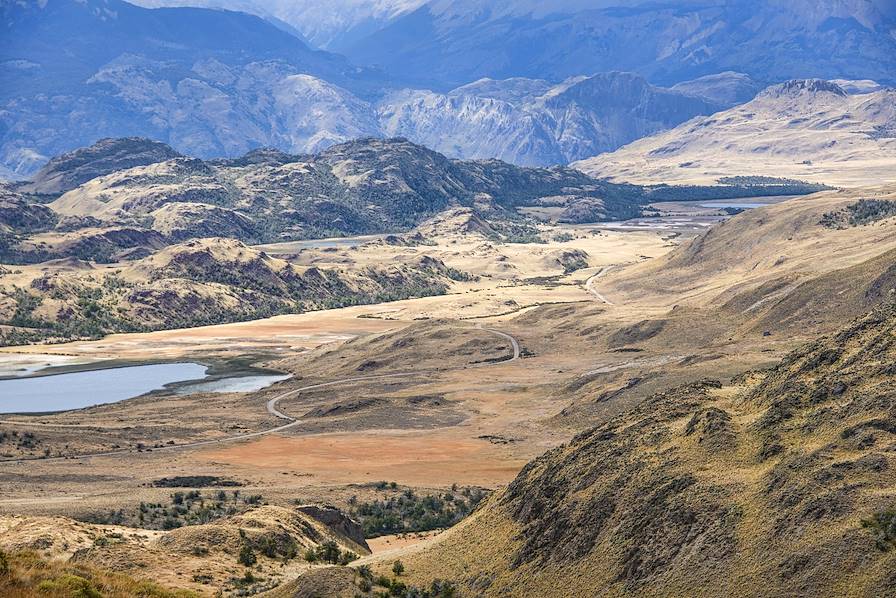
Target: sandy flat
438, 458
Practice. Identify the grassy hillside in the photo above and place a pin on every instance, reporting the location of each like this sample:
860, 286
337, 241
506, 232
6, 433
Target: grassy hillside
783, 480
196, 283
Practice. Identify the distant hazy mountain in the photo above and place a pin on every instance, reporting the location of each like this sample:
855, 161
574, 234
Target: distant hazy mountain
532, 122
328, 24
209, 82
215, 83
805, 129
728, 88
448, 42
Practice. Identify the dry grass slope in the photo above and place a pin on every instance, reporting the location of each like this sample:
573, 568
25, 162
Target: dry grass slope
707, 490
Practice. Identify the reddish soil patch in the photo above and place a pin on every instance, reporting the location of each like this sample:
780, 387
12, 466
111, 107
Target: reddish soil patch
414, 459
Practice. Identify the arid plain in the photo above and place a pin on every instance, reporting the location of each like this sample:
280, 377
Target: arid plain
452, 391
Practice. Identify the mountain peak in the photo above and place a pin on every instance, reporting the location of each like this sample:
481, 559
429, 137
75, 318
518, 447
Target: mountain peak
71, 169
797, 87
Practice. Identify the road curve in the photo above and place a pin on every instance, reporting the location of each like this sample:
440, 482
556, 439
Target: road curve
271, 407
589, 284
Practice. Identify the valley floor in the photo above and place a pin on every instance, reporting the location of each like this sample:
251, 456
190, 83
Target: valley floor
426, 394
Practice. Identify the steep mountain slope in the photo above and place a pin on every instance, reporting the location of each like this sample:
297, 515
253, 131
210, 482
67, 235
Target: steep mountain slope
530, 122
446, 43
784, 482
327, 24
806, 129
209, 82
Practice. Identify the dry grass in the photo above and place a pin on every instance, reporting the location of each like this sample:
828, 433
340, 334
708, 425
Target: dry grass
26, 575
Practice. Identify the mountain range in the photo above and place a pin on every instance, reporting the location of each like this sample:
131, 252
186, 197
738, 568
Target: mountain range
131, 71
448, 42
326, 24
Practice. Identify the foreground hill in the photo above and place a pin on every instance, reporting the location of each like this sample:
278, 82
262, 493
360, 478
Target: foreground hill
782, 481
58, 556
807, 129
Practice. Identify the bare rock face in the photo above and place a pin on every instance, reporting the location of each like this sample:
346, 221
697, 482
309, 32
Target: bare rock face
70, 170
532, 123
337, 521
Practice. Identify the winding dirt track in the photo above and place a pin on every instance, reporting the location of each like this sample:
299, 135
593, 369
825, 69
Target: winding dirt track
589, 284
272, 409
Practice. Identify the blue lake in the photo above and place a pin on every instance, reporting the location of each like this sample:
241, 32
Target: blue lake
77, 390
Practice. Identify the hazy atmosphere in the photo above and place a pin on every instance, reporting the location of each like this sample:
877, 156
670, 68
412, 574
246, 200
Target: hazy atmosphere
447, 298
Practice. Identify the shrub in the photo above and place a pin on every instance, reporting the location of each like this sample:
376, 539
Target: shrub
409, 512
398, 568
247, 556
883, 528
69, 585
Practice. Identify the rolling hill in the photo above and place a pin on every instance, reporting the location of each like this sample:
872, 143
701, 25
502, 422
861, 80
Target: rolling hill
360, 187
806, 129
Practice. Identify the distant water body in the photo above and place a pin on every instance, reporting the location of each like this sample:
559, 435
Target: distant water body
77, 390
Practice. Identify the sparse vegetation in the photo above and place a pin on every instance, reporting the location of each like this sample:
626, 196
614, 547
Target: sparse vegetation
573, 260
247, 556
195, 481
23, 442
883, 528
92, 308
329, 552
405, 511
184, 508
861, 213
394, 587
